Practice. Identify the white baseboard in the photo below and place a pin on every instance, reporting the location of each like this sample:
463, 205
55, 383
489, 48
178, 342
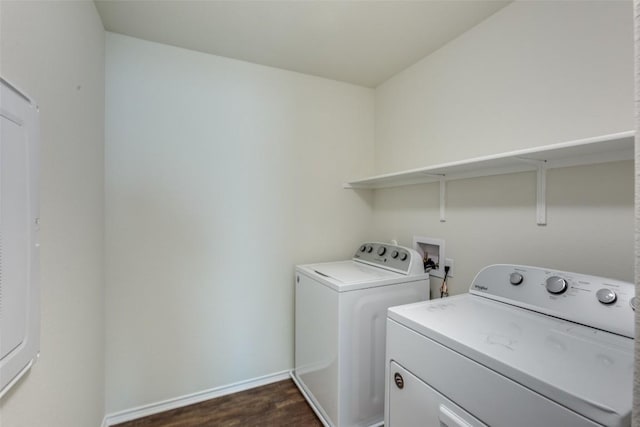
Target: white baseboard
190, 399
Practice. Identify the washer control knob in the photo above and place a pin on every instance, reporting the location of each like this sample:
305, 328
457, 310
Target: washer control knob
404, 256
382, 250
633, 302
606, 296
363, 248
516, 278
394, 254
369, 249
556, 285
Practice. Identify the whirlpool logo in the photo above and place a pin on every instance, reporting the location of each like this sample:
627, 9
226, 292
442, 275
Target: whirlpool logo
480, 287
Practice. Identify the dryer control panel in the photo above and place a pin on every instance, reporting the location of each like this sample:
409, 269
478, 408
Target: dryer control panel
391, 257
594, 301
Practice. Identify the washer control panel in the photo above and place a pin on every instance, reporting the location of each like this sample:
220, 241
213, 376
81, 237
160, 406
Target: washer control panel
598, 302
391, 257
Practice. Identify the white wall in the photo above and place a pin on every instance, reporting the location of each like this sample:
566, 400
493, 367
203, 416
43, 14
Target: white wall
635, 416
532, 74
535, 73
54, 51
221, 176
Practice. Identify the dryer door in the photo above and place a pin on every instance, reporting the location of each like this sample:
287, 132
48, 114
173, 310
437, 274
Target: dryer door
412, 403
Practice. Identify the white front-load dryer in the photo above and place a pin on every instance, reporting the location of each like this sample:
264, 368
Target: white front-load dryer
526, 347
340, 316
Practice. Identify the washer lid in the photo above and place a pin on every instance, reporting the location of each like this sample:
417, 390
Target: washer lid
352, 275
584, 369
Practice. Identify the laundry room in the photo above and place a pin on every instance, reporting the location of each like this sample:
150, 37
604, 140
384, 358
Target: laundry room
196, 157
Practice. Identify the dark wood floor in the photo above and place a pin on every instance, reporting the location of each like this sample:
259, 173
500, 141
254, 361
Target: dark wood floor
277, 404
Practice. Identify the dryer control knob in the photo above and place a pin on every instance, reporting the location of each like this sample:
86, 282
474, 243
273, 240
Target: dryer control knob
404, 256
395, 254
556, 285
606, 296
369, 249
515, 278
382, 250
363, 248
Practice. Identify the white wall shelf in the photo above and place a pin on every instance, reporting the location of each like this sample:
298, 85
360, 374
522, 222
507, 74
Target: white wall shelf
600, 149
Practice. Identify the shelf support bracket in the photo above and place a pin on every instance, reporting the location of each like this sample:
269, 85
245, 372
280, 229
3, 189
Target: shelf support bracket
541, 188
541, 195
443, 193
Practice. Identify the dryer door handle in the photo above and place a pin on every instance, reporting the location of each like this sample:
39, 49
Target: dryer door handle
449, 419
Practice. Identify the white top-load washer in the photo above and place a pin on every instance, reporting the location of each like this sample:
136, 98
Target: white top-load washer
526, 346
340, 316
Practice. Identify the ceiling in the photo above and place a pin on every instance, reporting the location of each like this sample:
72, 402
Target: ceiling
360, 42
